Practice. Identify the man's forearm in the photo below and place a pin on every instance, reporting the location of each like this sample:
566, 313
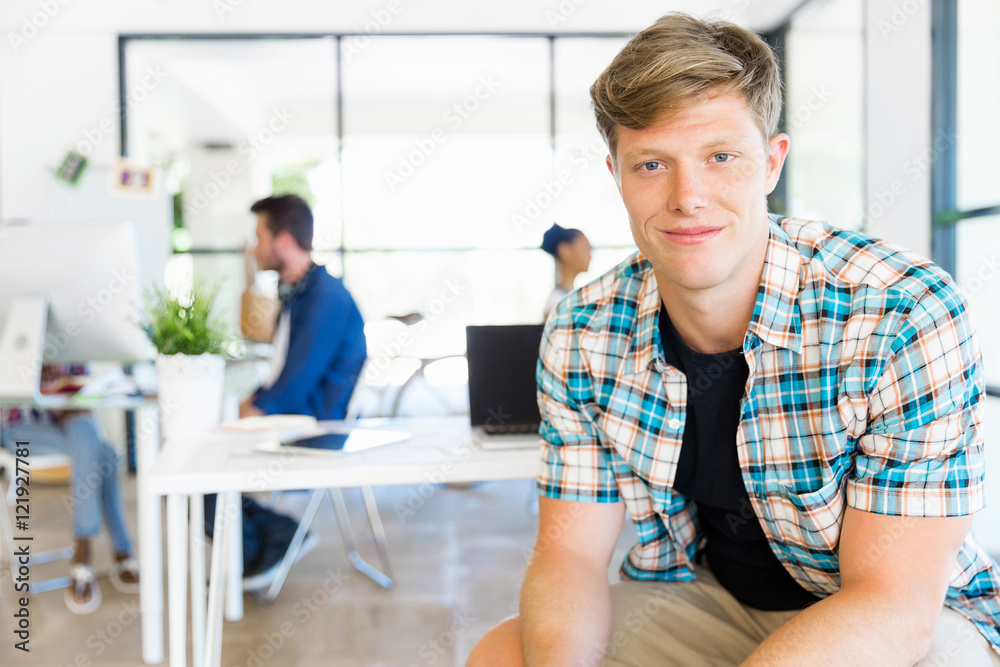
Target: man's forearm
850, 627
565, 613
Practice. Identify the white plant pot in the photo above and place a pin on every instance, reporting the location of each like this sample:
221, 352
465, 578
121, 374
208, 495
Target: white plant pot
190, 392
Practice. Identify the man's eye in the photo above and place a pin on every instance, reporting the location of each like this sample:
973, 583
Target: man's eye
722, 157
651, 166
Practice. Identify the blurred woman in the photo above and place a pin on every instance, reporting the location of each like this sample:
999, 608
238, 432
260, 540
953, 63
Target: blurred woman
96, 487
571, 250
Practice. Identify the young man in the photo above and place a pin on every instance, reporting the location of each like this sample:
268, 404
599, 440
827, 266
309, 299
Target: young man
319, 349
790, 413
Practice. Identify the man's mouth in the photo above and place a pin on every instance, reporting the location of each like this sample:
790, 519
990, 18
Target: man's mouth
690, 235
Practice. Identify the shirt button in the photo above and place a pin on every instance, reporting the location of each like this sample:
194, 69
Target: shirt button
675, 424
657, 507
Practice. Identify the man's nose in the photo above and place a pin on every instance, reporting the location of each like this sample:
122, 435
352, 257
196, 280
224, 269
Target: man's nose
687, 190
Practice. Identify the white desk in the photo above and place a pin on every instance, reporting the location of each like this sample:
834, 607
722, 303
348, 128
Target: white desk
150, 543
439, 450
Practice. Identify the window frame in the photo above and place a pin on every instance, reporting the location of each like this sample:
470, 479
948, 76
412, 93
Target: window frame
774, 37
945, 213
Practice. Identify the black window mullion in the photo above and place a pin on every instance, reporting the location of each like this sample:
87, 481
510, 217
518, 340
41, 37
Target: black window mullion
944, 117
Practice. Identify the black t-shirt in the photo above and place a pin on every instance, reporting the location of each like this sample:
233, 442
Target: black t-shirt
708, 472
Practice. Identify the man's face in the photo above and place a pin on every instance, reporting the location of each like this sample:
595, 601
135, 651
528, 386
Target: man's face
266, 249
694, 187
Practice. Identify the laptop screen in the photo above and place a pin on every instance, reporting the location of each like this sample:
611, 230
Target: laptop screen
502, 362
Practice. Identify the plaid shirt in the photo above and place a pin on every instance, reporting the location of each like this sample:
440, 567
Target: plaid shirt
865, 389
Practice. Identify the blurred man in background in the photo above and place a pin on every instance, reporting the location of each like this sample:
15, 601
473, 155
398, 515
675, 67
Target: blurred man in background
319, 350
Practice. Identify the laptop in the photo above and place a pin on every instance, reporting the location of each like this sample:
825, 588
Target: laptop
503, 408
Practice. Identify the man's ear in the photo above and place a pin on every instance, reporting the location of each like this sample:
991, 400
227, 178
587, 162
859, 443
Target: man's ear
611, 167
283, 238
778, 151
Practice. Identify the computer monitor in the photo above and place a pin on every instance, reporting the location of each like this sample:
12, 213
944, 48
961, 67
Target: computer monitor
502, 390
69, 291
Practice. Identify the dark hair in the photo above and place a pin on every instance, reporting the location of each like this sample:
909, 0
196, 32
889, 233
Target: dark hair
555, 235
289, 213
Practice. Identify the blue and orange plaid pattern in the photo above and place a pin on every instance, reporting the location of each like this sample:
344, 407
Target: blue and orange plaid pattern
866, 389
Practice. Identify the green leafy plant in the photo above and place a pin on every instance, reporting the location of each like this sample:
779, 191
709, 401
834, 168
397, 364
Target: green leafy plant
184, 325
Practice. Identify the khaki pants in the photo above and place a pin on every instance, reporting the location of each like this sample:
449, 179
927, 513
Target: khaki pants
700, 624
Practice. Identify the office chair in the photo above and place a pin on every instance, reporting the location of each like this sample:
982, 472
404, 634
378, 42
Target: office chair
385, 577
8, 462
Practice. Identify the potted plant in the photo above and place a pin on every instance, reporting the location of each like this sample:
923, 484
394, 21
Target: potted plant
190, 340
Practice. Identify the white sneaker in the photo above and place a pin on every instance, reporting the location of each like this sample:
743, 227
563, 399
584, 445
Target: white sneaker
84, 595
129, 566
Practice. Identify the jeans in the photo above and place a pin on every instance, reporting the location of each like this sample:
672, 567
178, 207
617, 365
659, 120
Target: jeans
266, 534
96, 488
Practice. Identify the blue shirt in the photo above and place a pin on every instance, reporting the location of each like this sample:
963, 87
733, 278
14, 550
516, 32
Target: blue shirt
326, 350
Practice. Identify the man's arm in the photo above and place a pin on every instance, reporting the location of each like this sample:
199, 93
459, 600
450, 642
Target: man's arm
916, 481
565, 599
894, 574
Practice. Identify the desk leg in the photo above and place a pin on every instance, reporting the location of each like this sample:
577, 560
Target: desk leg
197, 541
315, 498
177, 577
225, 526
234, 570
150, 538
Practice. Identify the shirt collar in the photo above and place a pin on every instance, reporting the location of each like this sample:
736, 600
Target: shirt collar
287, 290
776, 316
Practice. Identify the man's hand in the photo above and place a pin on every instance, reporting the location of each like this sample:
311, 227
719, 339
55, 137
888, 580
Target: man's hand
894, 573
248, 409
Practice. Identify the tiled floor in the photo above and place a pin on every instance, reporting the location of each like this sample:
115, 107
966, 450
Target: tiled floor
459, 555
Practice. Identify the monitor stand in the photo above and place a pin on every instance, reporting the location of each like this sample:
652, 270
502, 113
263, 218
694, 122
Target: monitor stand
21, 346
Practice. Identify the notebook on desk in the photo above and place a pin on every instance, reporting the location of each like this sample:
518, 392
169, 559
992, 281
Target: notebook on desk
503, 409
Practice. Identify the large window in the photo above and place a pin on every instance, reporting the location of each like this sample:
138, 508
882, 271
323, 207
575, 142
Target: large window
824, 108
439, 160
978, 105
588, 197
977, 187
228, 122
966, 196
433, 163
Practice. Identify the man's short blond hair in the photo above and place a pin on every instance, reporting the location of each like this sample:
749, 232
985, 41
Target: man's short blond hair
671, 65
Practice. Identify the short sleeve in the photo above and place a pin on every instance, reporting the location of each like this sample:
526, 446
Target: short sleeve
922, 453
575, 464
